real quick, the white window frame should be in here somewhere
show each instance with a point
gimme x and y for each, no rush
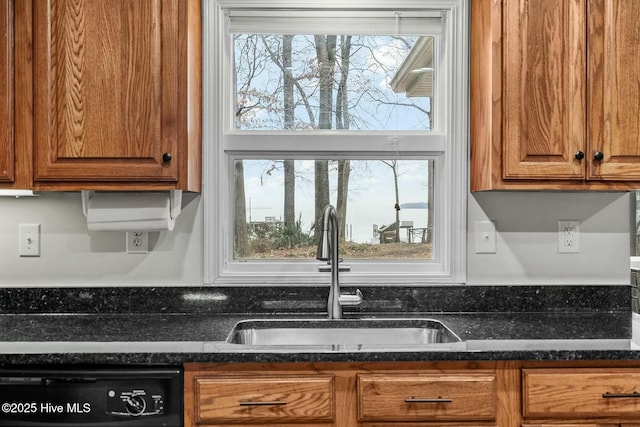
(221, 145)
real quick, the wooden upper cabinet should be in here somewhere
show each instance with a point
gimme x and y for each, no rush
(554, 94)
(116, 94)
(613, 122)
(7, 134)
(544, 88)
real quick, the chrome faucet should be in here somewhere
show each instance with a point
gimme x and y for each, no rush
(328, 251)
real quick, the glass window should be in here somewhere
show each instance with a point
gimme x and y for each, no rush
(341, 82)
(383, 208)
(363, 109)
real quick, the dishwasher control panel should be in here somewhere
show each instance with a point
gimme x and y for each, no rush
(134, 402)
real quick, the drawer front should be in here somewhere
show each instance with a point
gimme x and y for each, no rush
(426, 397)
(265, 399)
(581, 392)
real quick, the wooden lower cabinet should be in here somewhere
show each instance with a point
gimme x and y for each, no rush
(341, 394)
(432, 396)
(581, 393)
(571, 425)
(599, 396)
(254, 398)
(414, 394)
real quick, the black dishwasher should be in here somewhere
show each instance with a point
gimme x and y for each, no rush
(91, 397)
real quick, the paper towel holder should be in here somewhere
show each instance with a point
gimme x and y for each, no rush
(174, 206)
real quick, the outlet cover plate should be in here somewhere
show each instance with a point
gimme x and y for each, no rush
(485, 237)
(137, 242)
(568, 236)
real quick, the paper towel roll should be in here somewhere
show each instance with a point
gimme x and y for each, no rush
(131, 211)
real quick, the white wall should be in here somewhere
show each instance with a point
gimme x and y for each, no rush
(526, 243)
(71, 255)
(527, 238)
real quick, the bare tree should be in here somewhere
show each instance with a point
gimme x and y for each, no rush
(393, 164)
(289, 106)
(343, 122)
(326, 56)
(430, 207)
(241, 233)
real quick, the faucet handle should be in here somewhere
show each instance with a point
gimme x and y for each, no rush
(351, 299)
(326, 268)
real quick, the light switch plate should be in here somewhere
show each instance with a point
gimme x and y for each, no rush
(485, 237)
(29, 240)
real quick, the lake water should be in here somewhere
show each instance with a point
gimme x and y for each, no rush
(362, 220)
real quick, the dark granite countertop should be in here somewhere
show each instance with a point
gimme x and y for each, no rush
(181, 325)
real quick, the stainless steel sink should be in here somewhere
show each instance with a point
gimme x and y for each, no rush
(360, 332)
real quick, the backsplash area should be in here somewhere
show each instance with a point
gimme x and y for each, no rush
(313, 300)
(526, 227)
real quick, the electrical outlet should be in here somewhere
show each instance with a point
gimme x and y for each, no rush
(137, 242)
(568, 237)
(29, 240)
(485, 237)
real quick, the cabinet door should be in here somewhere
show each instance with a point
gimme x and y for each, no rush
(573, 425)
(575, 393)
(106, 90)
(614, 89)
(264, 399)
(7, 140)
(421, 397)
(544, 89)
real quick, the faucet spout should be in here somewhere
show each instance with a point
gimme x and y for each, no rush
(328, 251)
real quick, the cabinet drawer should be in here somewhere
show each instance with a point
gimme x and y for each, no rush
(581, 392)
(426, 397)
(264, 399)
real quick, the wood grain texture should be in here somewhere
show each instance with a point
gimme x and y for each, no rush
(578, 393)
(544, 90)
(614, 88)
(265, 399)
(550, 78)
(486, 94)
(470, 397)
(574, 425)
(115, 89)
(7, 132)
(344, 376)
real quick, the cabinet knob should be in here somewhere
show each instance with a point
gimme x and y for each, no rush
(166, 157)
(579, 155)
(598, 155)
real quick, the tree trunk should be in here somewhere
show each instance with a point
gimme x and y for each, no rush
(326, 53)
(344, 168)
(393, 164)
(343, 122)
(430, 207)
(241, 232)
(397, 206)
(289, 165)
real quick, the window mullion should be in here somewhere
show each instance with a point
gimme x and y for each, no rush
(283, 142)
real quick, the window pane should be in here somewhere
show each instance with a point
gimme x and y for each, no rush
(387, 212)
(310, 82)
(635, 245)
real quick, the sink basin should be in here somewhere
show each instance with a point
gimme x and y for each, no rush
(365, 332)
